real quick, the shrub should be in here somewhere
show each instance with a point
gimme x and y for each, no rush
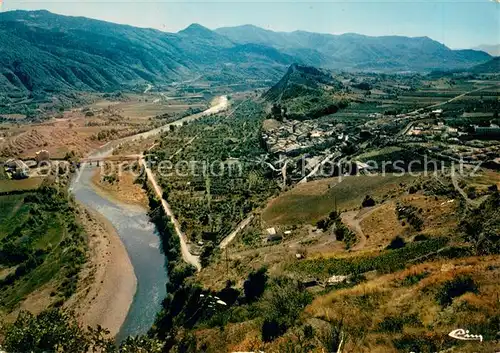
(396, 243)
(455, 288)
(410, 213)
(410, 280)
(396, 323)
(421, 237)
(206, 254)
(368, 201)
(282, 305)
(271, 329)
(255, 285)
(414, 343)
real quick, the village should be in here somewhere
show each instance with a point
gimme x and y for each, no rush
(292, 137)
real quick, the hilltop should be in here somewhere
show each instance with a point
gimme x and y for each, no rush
(493, 49)
(306, 91)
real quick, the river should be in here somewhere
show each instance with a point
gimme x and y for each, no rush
(138, 234)
(142, 242)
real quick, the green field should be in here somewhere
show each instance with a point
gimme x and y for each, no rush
(7, 185)
(210, 198)
(308, 203)
(40, 242)
(378, 152)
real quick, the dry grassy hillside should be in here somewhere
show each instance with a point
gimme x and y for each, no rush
(409, 279)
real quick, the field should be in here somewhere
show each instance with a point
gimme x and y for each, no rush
(22, 185)
(308, 203)
(140, 107)
(215, 181)
(83, 129)
(40, 242)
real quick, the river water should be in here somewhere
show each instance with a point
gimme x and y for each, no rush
(138, 234)
(142, 243)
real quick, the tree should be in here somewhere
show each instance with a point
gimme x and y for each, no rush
(282, 306)
(56, 331)
(255, 285)
(206, 254)
(277, 112)
(52, 331)
(396, 243)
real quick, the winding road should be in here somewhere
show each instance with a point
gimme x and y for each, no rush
(454, 180)
(222, 104)
(353, 220)
(225, 242)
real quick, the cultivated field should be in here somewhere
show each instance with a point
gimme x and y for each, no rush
(308, 203)
(84, 129)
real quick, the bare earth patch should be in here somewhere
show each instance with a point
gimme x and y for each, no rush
(124, 189)
(107, 284)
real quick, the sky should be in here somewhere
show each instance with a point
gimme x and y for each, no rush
(458, 24)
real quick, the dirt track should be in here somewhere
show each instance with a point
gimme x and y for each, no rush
(186, 254)
(353, 220)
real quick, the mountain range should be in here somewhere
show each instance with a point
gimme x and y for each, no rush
(42, 51)
(355, 51)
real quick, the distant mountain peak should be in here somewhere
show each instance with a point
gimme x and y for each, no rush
(196, 29)
(492, 49)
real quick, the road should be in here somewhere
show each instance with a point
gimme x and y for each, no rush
(222, 104)
(225, 242)
(105, 150)
(148, 88)
(457, 187)
(353, 220)
(186, 254)
(319, 165)
(452, 99)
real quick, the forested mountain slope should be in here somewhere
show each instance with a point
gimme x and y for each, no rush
(355, 51)
(44, 51)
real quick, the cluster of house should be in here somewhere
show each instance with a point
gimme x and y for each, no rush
(433, 129)
(292, 136)
(19, 169)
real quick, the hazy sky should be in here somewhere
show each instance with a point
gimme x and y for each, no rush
(458, 24)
